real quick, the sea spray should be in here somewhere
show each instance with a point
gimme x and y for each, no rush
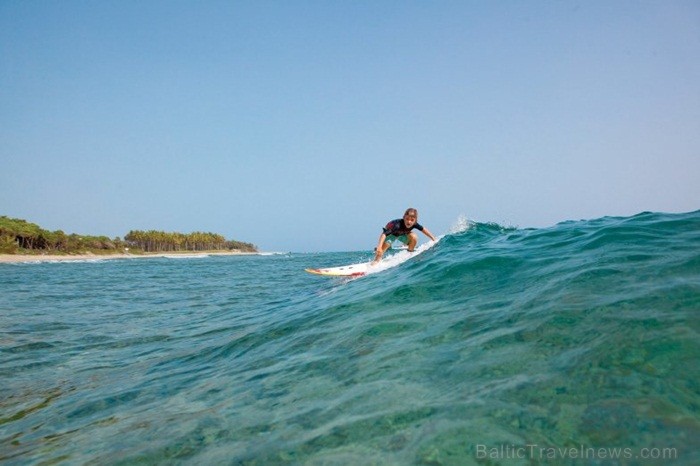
(461, 225)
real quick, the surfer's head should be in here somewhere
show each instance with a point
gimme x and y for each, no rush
(410, 216)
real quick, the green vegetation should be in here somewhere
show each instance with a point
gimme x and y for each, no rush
(160, 241)
(22, 237)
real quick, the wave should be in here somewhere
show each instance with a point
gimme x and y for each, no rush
(581, 334)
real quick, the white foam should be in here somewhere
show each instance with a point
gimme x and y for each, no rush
(461, 225)
(389, 262)
(184, 256)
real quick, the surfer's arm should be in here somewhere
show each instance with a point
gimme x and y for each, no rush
(427, 233)
(379, 251)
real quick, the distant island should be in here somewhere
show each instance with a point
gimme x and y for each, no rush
(21, 237)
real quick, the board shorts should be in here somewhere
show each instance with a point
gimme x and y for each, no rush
(391, 238)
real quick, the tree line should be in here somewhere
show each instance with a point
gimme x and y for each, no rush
(161, 241)
(18, 236)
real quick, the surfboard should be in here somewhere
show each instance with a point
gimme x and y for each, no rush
(352, 270)
(366, 268)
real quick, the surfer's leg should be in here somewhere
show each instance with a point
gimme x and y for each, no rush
(386, 246)
(412, 241)
(387, 243)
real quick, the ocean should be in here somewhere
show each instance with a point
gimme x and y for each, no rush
(573, 344)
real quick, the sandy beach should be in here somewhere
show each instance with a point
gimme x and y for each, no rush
(19, 258)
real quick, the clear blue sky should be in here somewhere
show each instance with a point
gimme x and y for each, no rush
(307, 125)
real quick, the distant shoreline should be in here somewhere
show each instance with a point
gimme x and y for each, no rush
(20, 258)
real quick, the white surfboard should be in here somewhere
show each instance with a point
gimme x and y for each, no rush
(365, 268)
(352, 270)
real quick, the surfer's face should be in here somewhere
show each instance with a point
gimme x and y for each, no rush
(409, 220)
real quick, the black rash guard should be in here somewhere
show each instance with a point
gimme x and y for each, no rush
(398, 228)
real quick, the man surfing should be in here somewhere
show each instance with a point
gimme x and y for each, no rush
(400, 229)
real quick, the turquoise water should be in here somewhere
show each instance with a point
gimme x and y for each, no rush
(495, 346)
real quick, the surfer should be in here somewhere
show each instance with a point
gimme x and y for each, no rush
(400, 229)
